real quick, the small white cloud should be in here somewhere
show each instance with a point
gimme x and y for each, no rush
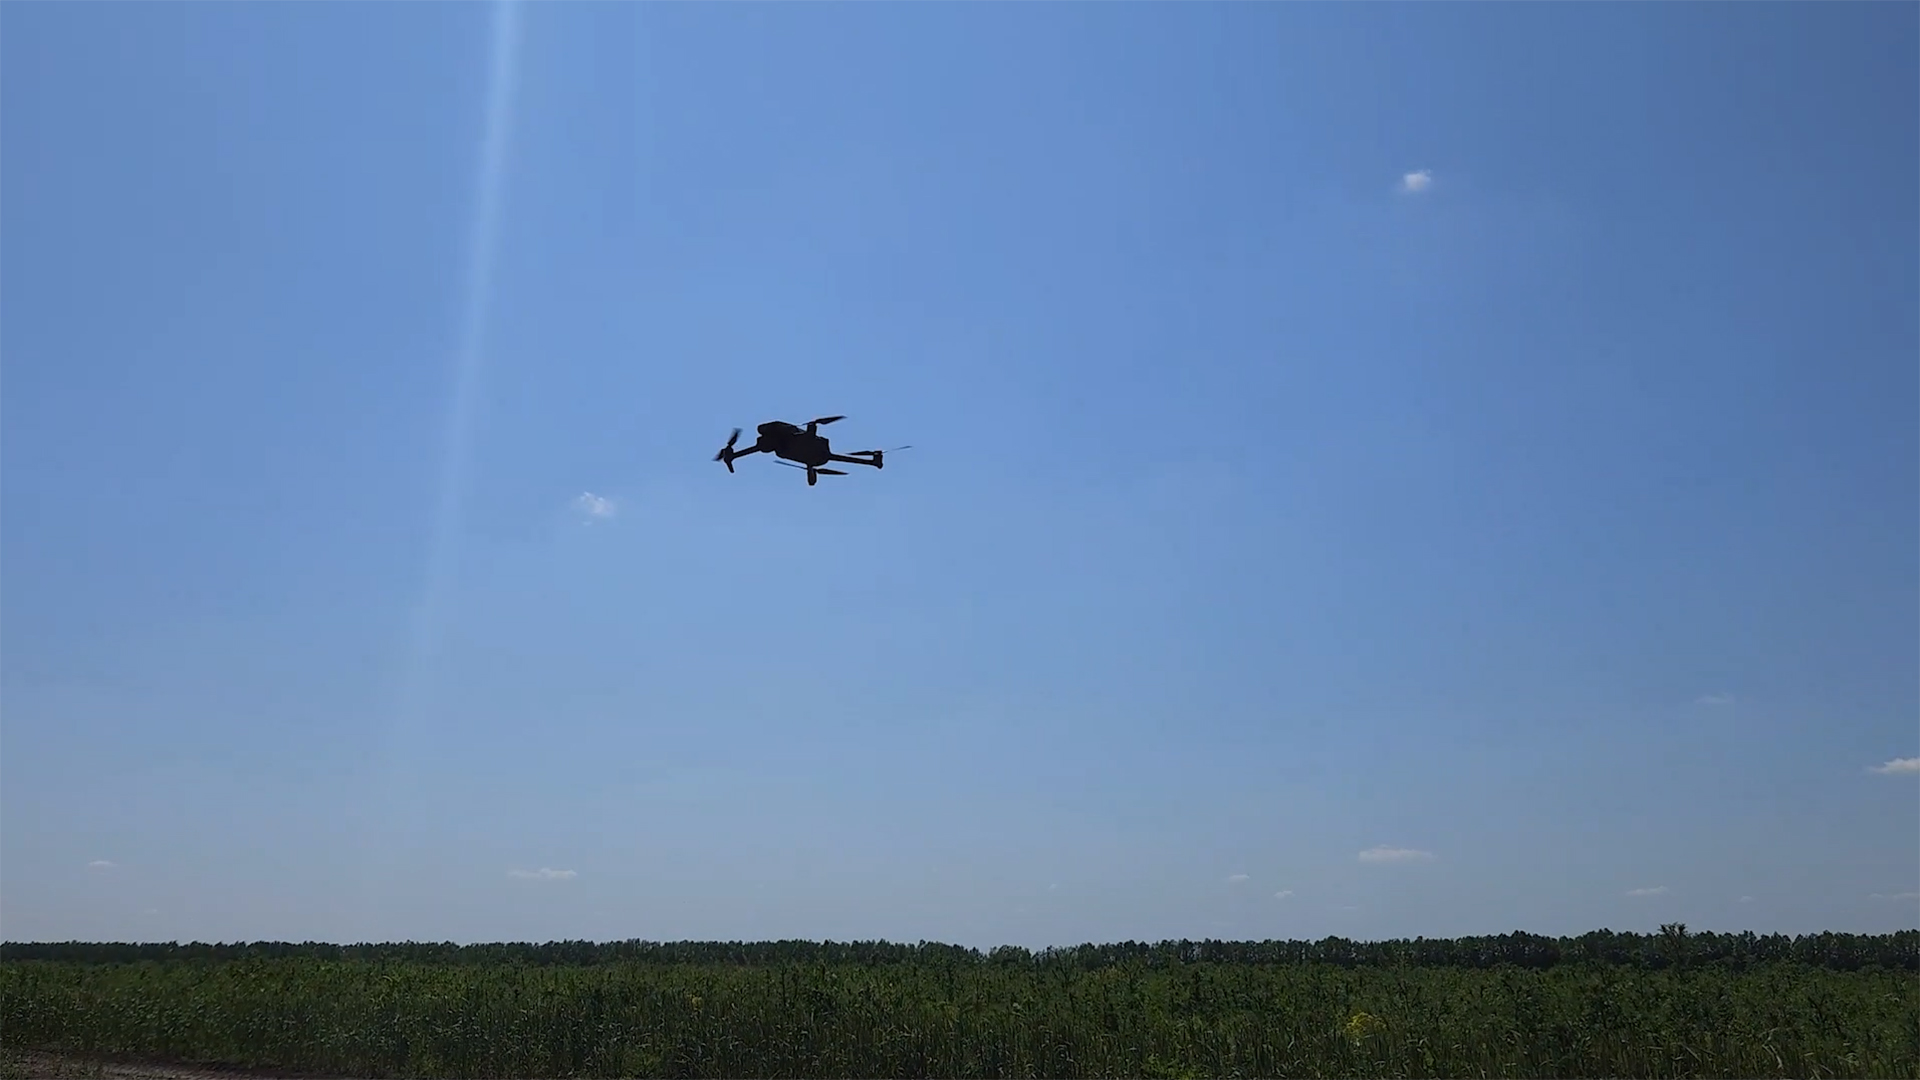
(1898, 767)
(1714, 699)
(101, 864)
(1745, 900)
(1235, 879)
(594, 507)
(1055, 887)
(1283, 894)
(1415, 182)
(1383, 853)
(1657, 890)
(544, 874)
(1895, 896)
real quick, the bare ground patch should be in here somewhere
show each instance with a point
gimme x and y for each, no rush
(43, 1065)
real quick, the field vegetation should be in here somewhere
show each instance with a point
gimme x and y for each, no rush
(1672, 1004)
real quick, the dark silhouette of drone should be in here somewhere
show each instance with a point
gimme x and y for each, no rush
(801, 448)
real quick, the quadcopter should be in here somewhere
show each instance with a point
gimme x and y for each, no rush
(800, 448)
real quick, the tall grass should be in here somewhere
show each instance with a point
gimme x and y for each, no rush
(395, 1019)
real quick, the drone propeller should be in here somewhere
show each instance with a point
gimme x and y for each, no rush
(825, 420)
(829, 472)
(814, 471)
(880, 456)
(726, 452)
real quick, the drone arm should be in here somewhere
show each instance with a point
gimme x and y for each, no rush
(852, 460)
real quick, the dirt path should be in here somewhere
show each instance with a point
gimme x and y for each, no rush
(36, 1065)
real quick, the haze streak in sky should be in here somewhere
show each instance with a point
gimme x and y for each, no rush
(415, 691)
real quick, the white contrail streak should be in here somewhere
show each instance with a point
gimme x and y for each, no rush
(455, 448)
(503, 75)
(414, 693)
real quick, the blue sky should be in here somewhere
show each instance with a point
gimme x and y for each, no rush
(1288, 547)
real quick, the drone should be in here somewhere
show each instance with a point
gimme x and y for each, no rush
(801, 448)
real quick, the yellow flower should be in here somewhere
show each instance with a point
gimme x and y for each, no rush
(1363, 1024)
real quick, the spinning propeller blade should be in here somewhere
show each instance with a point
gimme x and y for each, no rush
(829, 472)
(880, 456)
(825, 420)
(726, 452)
(813, 472)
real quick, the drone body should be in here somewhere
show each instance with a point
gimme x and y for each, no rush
(803, 448)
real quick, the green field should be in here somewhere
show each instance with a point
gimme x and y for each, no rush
(1611, 1005)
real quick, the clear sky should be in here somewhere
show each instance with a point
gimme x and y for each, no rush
(1377, 470)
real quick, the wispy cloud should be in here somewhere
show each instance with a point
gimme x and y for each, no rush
(1898, 766)
(1744, 900)
(544, 874)
(1714, 699)
(1283, 894)
(1383, 853)
(1657, 890)
(1235, 879)
(1895, 896)
(594, 508)
(1416, 182)
(101, 864)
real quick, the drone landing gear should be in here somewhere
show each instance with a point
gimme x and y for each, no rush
(813, 471)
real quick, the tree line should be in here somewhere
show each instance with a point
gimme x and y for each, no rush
(1672, 946)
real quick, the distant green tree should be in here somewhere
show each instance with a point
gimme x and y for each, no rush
(1674, 944)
